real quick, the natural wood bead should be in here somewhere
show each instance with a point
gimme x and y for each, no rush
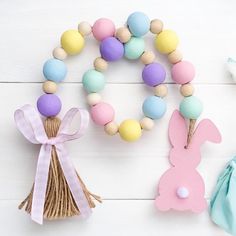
(49, 86)
(147, 58)
(187, 90)
(93, 99)
(100, 64)
(111, 128)
(147, 123)
(175, 56)
(84, 28)
(156, 26)
(59, 53)
(161, 90)
(123, 34)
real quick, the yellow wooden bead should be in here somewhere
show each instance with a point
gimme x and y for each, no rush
(147, 123)
(59, 53)
(123, 34)
(161, 90)
(175, 56)
(111, 128)
(147, 58)
(84, 28)
(187, 90)
(166, 42)
(130, 130)
(72, 42)
(49, 86)
(100, 64)
(156, 26)
(93, 99)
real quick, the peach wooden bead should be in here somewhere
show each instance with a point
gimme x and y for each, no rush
(59, 53)
(156, 26)
(93, 99)
(123, 34)
(146, 123)
(175, 56)
(147, 58)
(161, 90)
(100, 64)
(187, 90)
(49, 86)
(111, 128)
(84, 28)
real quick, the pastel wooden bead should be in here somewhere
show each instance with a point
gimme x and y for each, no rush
(175, 56)
(100, 64)
(72, 42)
(147, 123)
(49, 86)
(166, 42)
(59, 53)
(134, 48)
(156, 26)
(103, 28)
(186, 90)
(148, 58)
(102, 113)
(183, 72)
(111, 128)
(93, 98)
(161, 90)
(84, 28)
(123, 34)
(130, 130)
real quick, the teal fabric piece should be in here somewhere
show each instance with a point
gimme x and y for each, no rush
(223, 200)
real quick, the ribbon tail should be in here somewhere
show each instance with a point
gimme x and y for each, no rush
(40, 185)
(73, 182)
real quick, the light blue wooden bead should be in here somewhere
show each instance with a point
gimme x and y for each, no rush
(191, 107)
(93, 81)
(138, 23)
(134, 48)
(54, 70)
(154, 107)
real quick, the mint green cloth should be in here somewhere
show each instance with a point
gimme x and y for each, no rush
(223, 200)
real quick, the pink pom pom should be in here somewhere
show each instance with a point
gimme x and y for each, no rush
(102, 113)
(183, 72)
(103, 28)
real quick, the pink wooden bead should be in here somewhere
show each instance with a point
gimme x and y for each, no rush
(102, 113)
(183, 72)
(103, 28)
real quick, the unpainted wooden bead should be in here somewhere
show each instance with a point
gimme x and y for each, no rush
(175, 56)
(161, 90)
(156, 26)
(147, 123)
(84, 28)
(147, 58)
(123, 34)
(187, 90)
(49, 86)
(93, 99)
(100, 64)
(59, 53)
(111, 128)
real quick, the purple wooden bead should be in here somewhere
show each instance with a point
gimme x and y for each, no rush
(49, 105)
(111, 49)
(153, 74)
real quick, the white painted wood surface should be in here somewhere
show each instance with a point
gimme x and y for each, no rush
(125, 175)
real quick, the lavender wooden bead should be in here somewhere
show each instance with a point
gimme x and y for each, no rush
(49, 105)
(153, 74)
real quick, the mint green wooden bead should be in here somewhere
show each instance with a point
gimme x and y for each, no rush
(93, 81)
(191, 107)
(134, 48)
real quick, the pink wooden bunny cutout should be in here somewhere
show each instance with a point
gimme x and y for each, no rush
(181, 187)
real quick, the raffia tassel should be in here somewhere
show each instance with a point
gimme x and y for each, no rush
(192, 123)
(59, 202)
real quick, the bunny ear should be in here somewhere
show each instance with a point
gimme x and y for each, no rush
(177, 130)
(205, 131)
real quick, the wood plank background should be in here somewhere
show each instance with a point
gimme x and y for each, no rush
(125, 175)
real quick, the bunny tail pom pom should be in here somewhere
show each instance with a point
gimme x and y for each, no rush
(231, 66)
